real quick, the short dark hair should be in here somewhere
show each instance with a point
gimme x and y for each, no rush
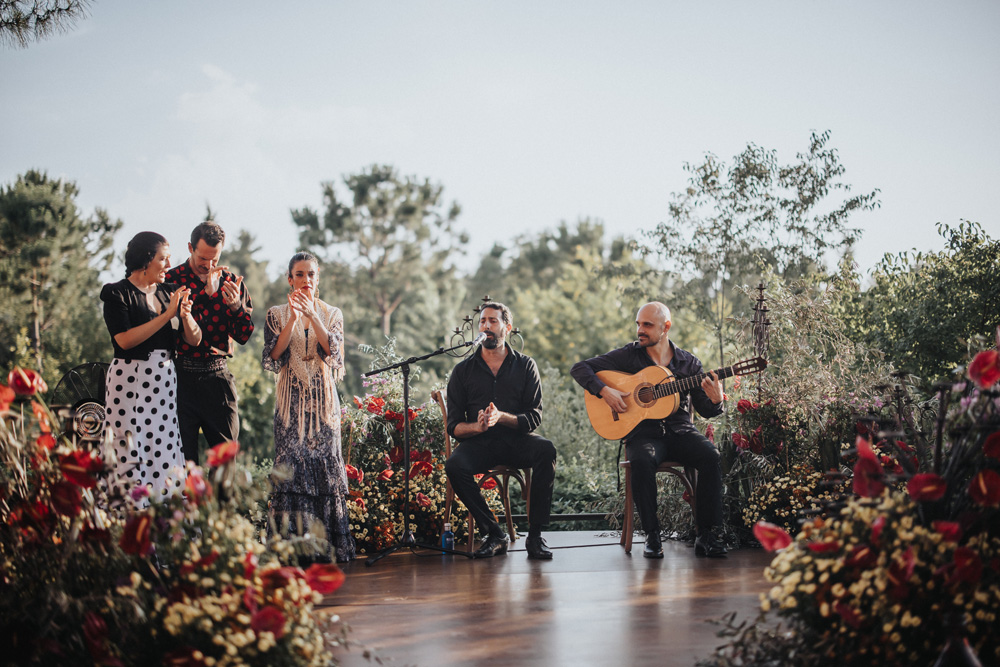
(301, 257)
(141, 250)
(505, 315)
(209, 232)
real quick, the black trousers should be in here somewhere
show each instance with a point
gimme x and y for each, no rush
(477, 455)
(690, 450)
(206, 401)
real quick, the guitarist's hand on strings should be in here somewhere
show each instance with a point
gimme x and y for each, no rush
(615, 399)
(713, 388)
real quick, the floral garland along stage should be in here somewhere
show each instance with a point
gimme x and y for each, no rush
(183, 582)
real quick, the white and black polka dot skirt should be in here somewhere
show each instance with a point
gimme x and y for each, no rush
(142, 415)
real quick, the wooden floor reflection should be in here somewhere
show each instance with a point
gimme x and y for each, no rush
(590, 605)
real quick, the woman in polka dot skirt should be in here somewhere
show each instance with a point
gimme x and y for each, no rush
(144, 316)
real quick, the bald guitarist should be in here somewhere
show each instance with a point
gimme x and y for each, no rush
(673, 438)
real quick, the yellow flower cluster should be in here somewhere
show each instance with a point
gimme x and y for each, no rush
(878, 585)
(781, 500)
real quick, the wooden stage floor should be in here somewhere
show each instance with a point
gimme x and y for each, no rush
(590, 605)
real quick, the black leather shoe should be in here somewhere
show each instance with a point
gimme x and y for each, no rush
(492, 546)
(537, 549)
(711, 543)
(653, 548)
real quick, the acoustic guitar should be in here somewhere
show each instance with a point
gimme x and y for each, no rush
(653, 394)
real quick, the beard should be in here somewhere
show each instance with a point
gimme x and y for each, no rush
(492, 342)
(647, 341)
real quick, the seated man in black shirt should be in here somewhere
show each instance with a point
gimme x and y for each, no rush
(494, 404)
(671, 439)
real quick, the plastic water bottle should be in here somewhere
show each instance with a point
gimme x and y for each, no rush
(447, 538)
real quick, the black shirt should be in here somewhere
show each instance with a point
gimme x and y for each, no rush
(516, 389)
(633, 358)
(125, 307)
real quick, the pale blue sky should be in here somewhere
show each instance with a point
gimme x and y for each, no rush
(529, 113)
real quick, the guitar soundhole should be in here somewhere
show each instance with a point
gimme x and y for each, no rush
(644, 395)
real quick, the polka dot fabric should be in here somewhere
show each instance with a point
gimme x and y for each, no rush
(142, 401)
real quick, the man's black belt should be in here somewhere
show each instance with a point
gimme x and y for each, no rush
(208, 365)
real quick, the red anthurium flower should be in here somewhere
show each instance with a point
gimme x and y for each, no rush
(850, 616)
(770, 536)
(360, 502)
(710, 433)
(354, 473)
(950, 530)
(861, 428)
(490, 483)
(223, 453)
(396, 454)
(66, 498)
(279, 577)
(424, 455)
(868, 477)
(186, 656)
(423, 500)
(195, 486)
(744, 406)
(136, 535)
(46, 441)
(42, 415)
(926, 486)
(357, 402)
(324, 578)
(968, 567)
(862, 556)
(420, 468)
(7, 397)
(757, 441)
(985, 488)
(249, 564)
(386, 474)
(984, 369)
(26, 382)
(901, 568)
(991, 448)
(741, 441)
(81, 467)
(250, 599)
(864, 447)
(823, 547)
(877, 526)
(269, 619)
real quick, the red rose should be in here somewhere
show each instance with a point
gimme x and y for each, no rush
(324, 578)
(770, 536)
(26, 382)
(985, 488)
(926, 486)
(223, 453)
(984, 369)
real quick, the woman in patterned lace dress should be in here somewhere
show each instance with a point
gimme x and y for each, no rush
(303, 344)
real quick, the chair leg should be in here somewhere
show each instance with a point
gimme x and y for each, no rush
(472, 535)
(505, 489)
(627, 525)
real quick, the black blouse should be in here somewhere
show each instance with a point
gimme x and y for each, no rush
(125, 307)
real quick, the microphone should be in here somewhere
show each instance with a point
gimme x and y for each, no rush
(479, 339)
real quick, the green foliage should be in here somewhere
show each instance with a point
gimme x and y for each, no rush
(50, 264)
(255, 389)
(732, 221)
(925, 308)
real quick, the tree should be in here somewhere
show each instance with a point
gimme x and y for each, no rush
(926, 309)
(50, 264)
(387, 257)
(731, 221)
(23, 21)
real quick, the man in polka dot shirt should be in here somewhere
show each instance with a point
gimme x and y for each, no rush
(205, 390)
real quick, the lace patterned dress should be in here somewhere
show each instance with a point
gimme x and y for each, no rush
(313, 496)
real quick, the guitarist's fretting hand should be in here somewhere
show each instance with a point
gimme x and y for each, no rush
(713, 387)
(615, 399)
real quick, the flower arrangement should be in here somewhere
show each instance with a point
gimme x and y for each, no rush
(784, 500)
(918, 544)
(373, 429)
(105, 581)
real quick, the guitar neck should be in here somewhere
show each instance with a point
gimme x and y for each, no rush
(690, 382)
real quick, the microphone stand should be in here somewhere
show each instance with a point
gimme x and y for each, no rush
(408, 541)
